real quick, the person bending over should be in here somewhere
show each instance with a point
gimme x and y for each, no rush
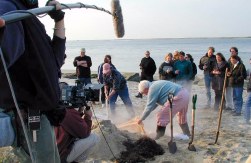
(117, 83)
(157, 94)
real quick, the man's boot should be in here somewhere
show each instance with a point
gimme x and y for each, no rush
(160, 132)
(139, 95)
(185, 129)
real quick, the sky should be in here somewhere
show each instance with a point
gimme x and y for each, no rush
(158, 19)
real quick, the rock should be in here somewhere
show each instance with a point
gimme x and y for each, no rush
(69, 75)
(134, 77)
(74, 76)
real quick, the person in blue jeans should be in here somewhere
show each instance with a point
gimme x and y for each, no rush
(236, 76)
(114, 80)
(206, 64)
(248, 102)
(83, 65)
(107, 59)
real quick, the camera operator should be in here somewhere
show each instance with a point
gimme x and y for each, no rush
(74, 138)
(33, 62)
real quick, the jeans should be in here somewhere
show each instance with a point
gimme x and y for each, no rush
(85, 81)
(208, 81)
(229, 97)
(124, 95)
(237, 99)
(45, 149)
(248, 107)
(103, 94)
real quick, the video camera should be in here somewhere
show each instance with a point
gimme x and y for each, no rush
(79, 94)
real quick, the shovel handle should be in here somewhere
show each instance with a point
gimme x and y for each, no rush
(194, 101)
(170, 99)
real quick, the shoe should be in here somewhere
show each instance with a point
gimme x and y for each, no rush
(185, 129)
(103, 106)
(139, 95)
(236, 114)
(228, 109)
(160, 132)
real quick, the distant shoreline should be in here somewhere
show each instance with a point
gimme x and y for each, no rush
(129, 76)
(230, 37)
(70, 71)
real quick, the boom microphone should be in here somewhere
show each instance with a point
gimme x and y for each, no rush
(117, 18)
(116, 13)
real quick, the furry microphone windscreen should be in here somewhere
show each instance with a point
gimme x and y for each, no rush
(117, 18)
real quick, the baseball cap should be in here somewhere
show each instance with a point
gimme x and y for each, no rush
(82, 50)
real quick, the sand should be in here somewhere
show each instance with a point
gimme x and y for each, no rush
(234, 142)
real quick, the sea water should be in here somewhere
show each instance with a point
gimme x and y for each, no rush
(127, 53)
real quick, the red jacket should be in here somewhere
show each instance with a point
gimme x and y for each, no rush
(73, 126)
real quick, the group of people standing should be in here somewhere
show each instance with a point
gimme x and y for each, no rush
(177, 72)
(214, 67)
(33, 62)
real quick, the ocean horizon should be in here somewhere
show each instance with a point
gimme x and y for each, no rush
(127, 53)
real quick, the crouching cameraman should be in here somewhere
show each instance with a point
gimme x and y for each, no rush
(74, 138)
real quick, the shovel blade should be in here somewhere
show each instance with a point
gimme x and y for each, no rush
(172, 147)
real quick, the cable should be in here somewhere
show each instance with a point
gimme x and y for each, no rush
(19, 11)
(102, 132)
(16, 104)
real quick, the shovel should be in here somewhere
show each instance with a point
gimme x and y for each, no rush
(107, 108)
(221, 108)
(191, 147)
(171, 145)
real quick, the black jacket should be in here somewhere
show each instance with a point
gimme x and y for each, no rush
(148, 66)
(208, 61)
(83, 72)
(218, 79)
(34, 74)
(249, 83)
(238, 74)
(163, 75)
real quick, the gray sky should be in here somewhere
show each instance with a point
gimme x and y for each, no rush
(159, 19)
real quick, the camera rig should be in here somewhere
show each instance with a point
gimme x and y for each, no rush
(79, 95)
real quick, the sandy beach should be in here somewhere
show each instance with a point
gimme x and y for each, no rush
(234, 142)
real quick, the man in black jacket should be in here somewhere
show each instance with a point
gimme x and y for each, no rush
(148, 68)
(206, 64)
(83, 65)
(229, 90)
(236, 77)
